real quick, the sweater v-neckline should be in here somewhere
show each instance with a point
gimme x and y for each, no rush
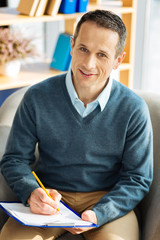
(82, 120)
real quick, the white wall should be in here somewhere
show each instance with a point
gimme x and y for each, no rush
(142, 32)
(152, 78)
(52, 30)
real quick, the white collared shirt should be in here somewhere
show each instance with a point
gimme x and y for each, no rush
(102, 99)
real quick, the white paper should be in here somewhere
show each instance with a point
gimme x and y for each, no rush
(66, 217)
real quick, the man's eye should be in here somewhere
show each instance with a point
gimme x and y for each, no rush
(101, 55)
(83, 49)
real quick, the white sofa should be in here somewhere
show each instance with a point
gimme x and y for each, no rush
(149, 208)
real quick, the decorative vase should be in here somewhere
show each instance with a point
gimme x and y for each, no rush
(10, 69)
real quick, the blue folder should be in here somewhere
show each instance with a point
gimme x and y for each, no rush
(82, 5)
(61, 56)
(68, 6)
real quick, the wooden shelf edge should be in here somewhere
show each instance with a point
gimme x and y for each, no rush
(10, 16)
(125, 66)
(30, 73)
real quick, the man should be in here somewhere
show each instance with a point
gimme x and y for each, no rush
(94, 138)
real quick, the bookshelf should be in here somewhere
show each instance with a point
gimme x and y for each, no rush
(38, 71)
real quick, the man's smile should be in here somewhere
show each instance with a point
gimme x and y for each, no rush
(86, 74)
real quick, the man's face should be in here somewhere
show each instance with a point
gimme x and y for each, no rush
(93, 56)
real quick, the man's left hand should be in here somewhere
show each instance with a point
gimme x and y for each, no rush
(87, 215)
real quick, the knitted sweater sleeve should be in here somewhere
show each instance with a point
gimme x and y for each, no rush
(19, 155)
(136, 171)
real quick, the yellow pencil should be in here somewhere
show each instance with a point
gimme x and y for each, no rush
(42, 186)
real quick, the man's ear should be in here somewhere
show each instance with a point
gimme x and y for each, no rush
(72, 45)
(119, 60)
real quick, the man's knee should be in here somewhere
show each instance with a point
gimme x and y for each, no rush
(124, 228)
(13, 230)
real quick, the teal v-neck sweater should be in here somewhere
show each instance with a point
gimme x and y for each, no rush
(109, 150)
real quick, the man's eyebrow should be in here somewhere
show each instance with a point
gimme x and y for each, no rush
(82, 45)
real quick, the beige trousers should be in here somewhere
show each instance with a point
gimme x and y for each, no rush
(124, 228)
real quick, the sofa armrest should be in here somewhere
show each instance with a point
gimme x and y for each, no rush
(4, 132)
(151, 216)
(150, 206)
(10, 105)
(6, 193)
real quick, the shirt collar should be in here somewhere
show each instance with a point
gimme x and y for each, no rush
(102, 98)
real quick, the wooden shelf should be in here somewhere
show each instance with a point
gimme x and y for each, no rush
(30, 74)
(10, 16)
(125, 66)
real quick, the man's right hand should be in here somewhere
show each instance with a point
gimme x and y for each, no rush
(40, 203)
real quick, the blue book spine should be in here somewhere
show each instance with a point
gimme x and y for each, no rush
(68, 6)
(61, 56)
(82, 5)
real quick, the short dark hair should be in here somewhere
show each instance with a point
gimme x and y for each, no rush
(108, 20)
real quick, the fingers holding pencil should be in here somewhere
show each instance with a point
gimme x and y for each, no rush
(40, 203)
(55, 195)
(43, 201)
(53, 200)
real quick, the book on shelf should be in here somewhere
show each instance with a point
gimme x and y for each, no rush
(82, 5)
(66, 218)
(61, 56)
(53, 7)
(28, 7)
(68, 6)
(41, 8)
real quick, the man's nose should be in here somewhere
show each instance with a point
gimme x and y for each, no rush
(90, 61)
